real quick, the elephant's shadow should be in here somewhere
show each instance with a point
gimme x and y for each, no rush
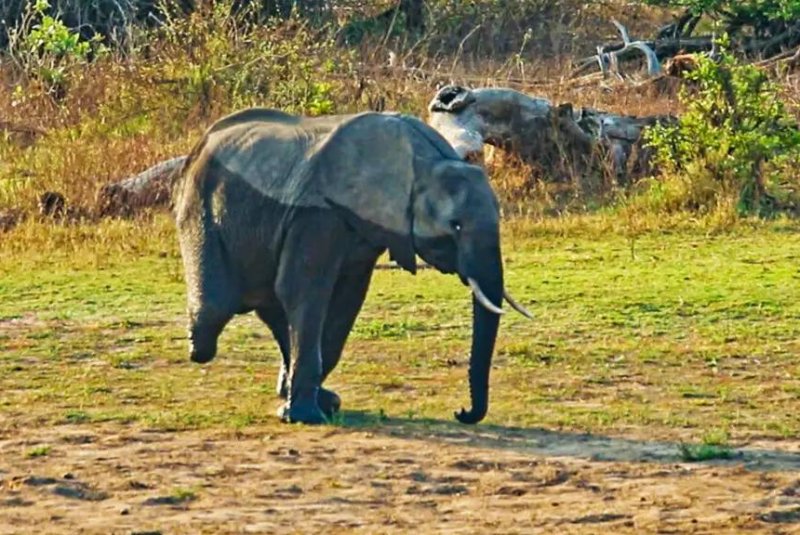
(546, 443)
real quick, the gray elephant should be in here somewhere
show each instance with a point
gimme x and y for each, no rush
(287, 216)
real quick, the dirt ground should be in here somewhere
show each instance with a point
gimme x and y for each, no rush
(122, 479)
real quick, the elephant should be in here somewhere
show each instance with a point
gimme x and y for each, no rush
(287, 215)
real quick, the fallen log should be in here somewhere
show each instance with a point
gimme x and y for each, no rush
(562, 141)
(150, 188)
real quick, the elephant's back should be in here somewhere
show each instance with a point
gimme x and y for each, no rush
(271, 158)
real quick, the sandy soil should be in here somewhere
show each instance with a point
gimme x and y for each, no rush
(118, 479)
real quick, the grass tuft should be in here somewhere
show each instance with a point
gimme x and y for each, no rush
(182, 494)
(704, 452)
(38, 451)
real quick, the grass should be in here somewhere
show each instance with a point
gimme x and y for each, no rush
(38, 451)
(184, 495)
(695, 331)
(704, 452)
(714, 445)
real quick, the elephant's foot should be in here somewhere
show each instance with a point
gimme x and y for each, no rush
(306, 412)
(329, 402)
(205, 327)
(202, 348)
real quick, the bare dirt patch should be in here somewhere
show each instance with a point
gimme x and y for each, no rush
(21, 323)
(388, 479)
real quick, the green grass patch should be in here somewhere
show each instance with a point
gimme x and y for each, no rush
(184, 494)
(38, 451)
(704, 452)
(696, 331)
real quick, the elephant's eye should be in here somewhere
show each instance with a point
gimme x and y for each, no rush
(456, 226)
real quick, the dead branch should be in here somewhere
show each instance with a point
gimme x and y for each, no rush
(20, 133)
(147, 189)
(608, 58)
(675, 39)
(20, 128)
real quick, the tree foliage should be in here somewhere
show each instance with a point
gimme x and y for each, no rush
(739, 9)
(763, 17)
(735, 137)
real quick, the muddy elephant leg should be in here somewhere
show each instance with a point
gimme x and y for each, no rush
(212, 299)
(275, 318)
(348, 296)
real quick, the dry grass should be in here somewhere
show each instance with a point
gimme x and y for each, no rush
(123, 113)
(120, 115)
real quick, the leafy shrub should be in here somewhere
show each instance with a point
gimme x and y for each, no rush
(222, 61)
(47, 50)
(118, 115)
(735, 138)
(743, 10)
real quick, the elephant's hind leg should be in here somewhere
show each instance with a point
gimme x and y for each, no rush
(348, 296)
(275, 318)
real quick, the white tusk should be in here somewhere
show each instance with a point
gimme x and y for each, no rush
(516, 306)
(481, 297)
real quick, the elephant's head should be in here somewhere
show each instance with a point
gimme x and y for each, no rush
(413, 194)
(456, 230)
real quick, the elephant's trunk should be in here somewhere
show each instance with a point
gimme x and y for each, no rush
(482, 264)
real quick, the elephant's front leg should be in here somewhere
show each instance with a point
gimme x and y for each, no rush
(305, 376)
(305, 285)
(275, 319)
(348, 296)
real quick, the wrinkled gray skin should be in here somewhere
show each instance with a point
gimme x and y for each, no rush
(287, 216)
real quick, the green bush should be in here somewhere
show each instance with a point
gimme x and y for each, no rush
(743, 10)
(47, 50)
(223, 62)
(735, 138)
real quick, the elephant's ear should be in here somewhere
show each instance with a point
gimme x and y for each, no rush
(366, 171)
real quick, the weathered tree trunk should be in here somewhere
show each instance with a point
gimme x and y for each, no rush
(561, 141)
(149, 188)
